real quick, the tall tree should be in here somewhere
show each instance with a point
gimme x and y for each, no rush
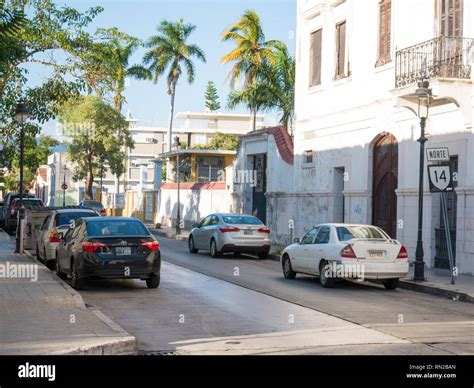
(212, 98)
(251, 50)
(169, 53)
(279, 79)
(95, 129)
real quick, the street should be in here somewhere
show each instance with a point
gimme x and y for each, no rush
(242, 305)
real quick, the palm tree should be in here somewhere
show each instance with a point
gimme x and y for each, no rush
(250, 52)
(117, 50)
(280, 80)
(169, 52)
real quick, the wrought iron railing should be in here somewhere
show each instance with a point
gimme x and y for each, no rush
(447, 57)
(441, 246)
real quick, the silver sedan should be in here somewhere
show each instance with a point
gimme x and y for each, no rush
(230, 233)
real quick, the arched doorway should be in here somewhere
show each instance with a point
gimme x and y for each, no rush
(385, 182)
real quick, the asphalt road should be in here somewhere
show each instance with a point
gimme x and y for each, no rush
(241, 305)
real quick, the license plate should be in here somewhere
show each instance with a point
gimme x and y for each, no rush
(376, 255)
(248, 232)
(123, 251)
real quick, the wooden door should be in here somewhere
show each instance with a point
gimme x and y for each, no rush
(385, 182)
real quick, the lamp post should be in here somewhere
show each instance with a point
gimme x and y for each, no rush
(178, 215)
(64, 186)
(424, 95)
(101, 164)
(21, 116)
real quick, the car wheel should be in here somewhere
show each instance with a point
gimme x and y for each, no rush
(76, 282)
(60, 274)
(324, 277)
(191, 247)
(213, 249)
(263, 255)
(153, 281)
(288, 272)
(390, 284)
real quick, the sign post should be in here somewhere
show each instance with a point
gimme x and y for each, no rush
(441, 181)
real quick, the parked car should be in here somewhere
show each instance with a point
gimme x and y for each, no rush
(345, 245)
(6, 206)
(16, 204)
(112, 248)
(92, 204)
(58, 221)
(236, 233)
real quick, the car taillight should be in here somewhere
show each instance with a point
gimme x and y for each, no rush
(229, 229)
(93, 246)
(264, 230)
(103, 211)
(403, 254)
(348, 253)
(151, 245)
(53, 238)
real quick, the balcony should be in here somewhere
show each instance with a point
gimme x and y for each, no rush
(441, 57)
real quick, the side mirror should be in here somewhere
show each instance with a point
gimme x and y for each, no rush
(195, 226)
(296, 240)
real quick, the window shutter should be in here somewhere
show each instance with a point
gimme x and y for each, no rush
(450, 17)
(315, 70)
(385, 35)
(340, 49)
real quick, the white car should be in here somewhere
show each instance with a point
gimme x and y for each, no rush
(348, 251)
(58, 221)
(225, 233)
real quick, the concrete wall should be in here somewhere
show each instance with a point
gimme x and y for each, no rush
(194, 205)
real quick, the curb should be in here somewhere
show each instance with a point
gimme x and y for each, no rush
(124, 345)
(436, 291)
(113, 347)
(174, 236)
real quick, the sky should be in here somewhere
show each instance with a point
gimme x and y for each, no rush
(149, 102)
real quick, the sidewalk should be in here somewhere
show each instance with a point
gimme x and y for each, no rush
(438, 281)
(46, 316)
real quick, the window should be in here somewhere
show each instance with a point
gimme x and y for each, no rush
(323, 235)
(450, 17)
(346, 233)
(210, 169)
(309, 237)
(385, 22)
(340, 50)
(308, 156)
(116, 228)
(205, 221)
(315, 57)
(242, 220)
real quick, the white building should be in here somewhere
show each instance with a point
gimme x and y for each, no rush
(193, 128)
(356, 149)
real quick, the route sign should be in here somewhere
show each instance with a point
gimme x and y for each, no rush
(440, 176)
(64, 186)
(437, 154)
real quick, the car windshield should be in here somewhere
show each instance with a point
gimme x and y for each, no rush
(249, 220)
(93, 205)
(345, 233)
(66, 218)
(116, 228)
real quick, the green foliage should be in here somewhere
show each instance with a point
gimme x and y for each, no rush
(212, 98)
(221, 141)
(250, 54)
(43, 29)
(95, 129)
(36, 153)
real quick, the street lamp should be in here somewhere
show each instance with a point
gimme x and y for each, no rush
(21, 116)
(178, 215)
(424, 95)
(101, 164)
(64, 186)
